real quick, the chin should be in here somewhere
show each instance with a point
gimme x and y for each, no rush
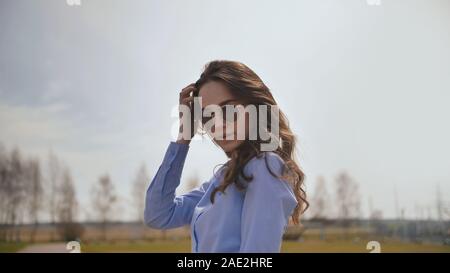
(228, 146)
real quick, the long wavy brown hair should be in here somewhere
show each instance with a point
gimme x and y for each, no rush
(248, 87)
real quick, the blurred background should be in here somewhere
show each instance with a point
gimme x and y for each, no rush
(88, 89)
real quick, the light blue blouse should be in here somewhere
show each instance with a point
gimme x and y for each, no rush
(252, 220)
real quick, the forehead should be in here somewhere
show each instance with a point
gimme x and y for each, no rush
(214, 92)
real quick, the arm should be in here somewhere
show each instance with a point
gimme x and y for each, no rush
(164, 210)
(268, 203)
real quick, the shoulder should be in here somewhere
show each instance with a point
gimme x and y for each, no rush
(267, 170)
(267, 184)
(266, 162)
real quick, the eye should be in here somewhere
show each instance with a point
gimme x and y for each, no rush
(234, 113)
(206, 119)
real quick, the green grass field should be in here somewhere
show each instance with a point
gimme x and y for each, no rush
(11, 247)
(317, 246)
(306, 246)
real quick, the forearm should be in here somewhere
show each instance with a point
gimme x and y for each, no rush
(159, 201)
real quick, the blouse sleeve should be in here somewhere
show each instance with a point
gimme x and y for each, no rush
(164, 210)
(268, 203)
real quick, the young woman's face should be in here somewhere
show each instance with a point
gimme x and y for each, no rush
(216, 93)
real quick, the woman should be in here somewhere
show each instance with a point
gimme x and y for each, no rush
(246, 205)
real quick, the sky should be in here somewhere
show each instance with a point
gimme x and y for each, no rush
(366, 88)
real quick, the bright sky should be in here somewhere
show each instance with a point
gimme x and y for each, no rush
(366, 88)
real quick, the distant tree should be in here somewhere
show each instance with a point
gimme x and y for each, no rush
(192, 183)
(104, 199)
(446, 211)
(20, 191)
(348, 200)
(440, 206)
(54, 179)
(67, 208)
(4, 198)
(319, 201)
(376, 222)
(34, 192)
(16, 193)
(138, 191)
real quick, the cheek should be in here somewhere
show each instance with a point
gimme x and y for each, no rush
(247, 123)
(245, 126)
(230, 145)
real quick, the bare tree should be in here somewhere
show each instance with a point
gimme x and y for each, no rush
(19, 192)
(53, 181)
(440, 206)
(138, 191)
(34, 192)
(4, 172)
(16, 193)
(192, 183)
(319, 201)
(446, 211)
(67, 208)
(348, 200)
(103, 201)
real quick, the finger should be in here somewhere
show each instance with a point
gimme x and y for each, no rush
(186, 91)
(186, 94)
(186, 100)
(189, 86)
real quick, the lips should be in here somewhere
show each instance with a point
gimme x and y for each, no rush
(229, 137)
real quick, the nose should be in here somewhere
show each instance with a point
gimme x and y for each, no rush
(221, 130)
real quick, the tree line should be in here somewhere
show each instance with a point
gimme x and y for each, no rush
(34, 192)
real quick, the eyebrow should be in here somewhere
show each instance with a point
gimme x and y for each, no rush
(222, 103)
